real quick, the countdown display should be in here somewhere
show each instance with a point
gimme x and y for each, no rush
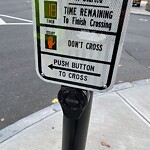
(50, 8)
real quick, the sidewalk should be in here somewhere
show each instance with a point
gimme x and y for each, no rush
(140, 10)
(120, 120)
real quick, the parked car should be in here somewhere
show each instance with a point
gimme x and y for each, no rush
(136, 3)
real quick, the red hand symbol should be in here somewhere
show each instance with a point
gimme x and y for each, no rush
(50, 42)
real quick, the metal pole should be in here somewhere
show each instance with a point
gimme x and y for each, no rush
(75, 127)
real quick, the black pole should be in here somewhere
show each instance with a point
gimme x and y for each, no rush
(75, 121)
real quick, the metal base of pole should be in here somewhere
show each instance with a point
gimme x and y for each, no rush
(75, 130)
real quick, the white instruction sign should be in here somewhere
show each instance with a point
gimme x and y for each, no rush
(78, 43)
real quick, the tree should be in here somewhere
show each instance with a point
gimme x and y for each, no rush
(148, 6)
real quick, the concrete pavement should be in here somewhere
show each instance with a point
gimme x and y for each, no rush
(120, 120)
(140, 10)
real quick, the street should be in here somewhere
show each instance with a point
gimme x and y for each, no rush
(134, 63)
(22, 92)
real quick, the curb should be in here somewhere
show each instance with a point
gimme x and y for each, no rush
(36, 117)
(24, 123)
(139, 13)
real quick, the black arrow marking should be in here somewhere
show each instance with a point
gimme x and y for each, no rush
(72, 70)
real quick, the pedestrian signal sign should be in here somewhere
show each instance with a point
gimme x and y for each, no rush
(78, 43)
